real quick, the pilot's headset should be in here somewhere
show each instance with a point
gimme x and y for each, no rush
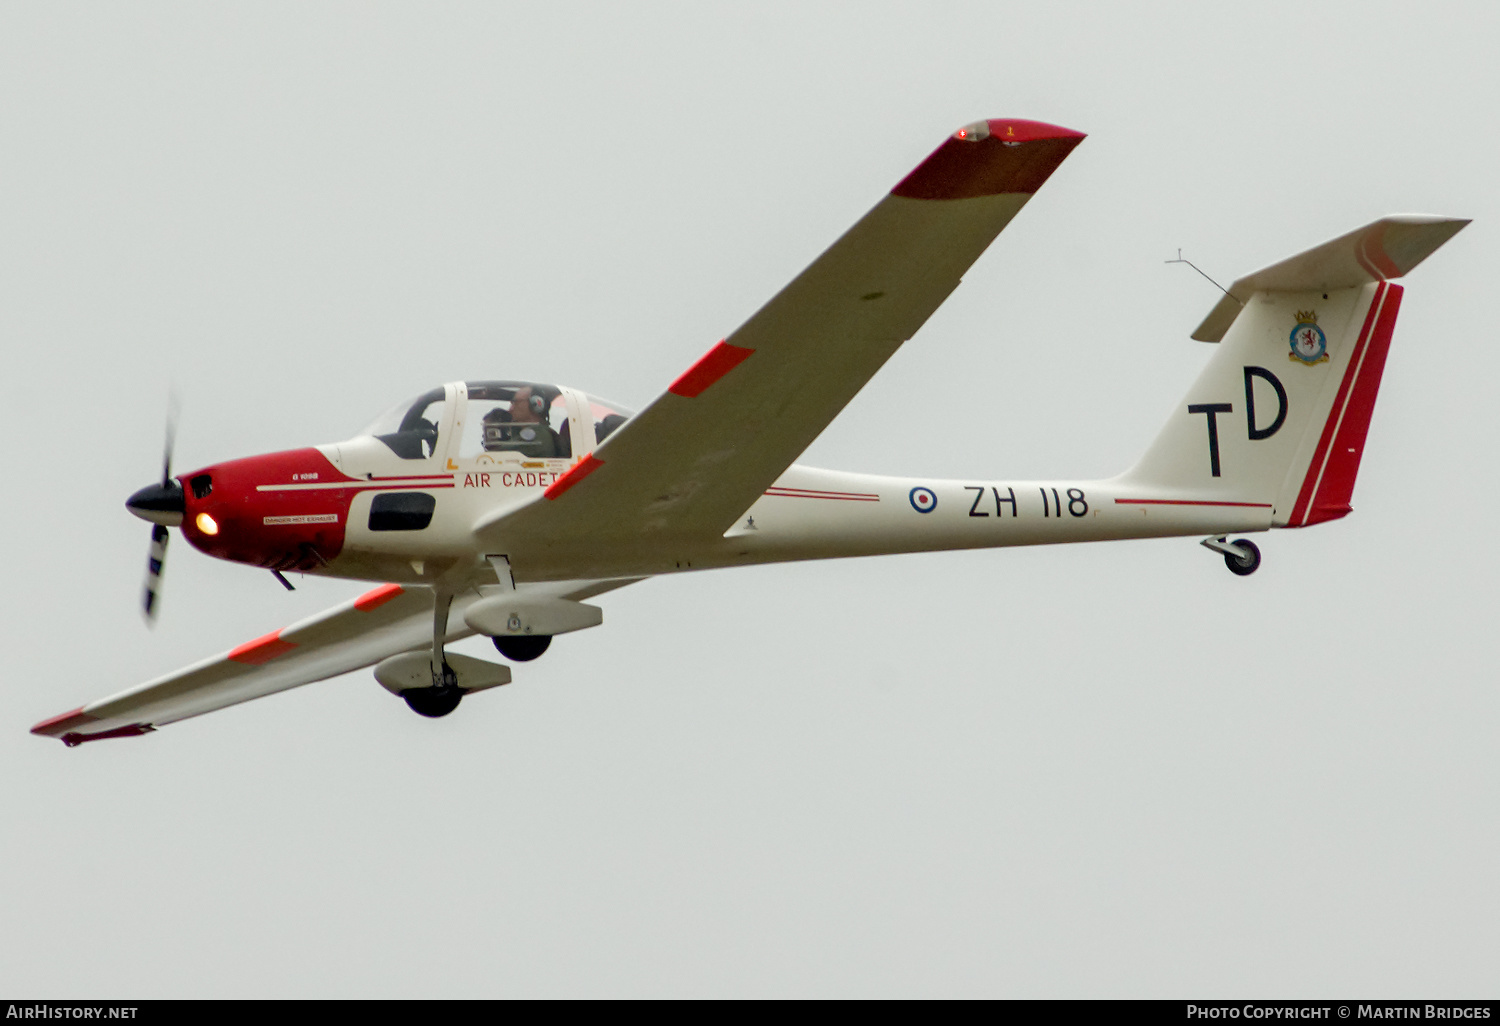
(537, 404)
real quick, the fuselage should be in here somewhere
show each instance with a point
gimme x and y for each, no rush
(373, 509)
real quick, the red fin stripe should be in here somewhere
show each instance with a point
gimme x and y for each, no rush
(1190, 502)
(261, 650)
(581, 470)
(1335, 486)
(377, 597)
(715, 363)
(1303, 505)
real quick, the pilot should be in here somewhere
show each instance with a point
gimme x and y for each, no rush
(521, 430)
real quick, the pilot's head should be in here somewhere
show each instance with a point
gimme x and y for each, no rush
(526, 408)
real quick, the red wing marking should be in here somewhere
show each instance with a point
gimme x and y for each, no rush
(261, 650)
(808, 493)
(59, 725)
(1190, 502)
(1016, 157)
(1329, 484)
(715, 363)
(579, 471)
(377, 597)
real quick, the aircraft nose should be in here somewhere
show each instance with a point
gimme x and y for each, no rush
(159, 503)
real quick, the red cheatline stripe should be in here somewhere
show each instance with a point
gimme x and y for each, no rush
(397, 487)
(716, 363)
(407, 477)
(803, 493)
(353, 487)
(579, 471)
(261, 650)
(1189, 502)
(1303, 504)
(60, 724)
(377, 597)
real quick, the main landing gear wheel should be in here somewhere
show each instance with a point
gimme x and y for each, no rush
(1243, 565)
(433, 702)
(521, 648)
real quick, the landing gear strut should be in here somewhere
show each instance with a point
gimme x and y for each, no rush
(521, 648)
(445, 694)
(1242, 555)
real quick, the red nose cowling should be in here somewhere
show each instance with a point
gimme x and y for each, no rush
(283, 510)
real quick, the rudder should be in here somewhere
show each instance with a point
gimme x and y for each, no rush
(1280, 414)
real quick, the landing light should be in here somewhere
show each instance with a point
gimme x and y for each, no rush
(207, 524)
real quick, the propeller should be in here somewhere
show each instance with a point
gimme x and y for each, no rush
(163, 505)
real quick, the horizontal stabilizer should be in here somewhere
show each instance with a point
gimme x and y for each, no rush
(1385, 249)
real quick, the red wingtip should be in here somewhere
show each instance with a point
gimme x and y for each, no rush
(57, 726)
(987, 158)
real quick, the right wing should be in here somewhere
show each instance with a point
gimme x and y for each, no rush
(361, 632)
(703, 452)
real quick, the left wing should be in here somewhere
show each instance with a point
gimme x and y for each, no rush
(699, 455)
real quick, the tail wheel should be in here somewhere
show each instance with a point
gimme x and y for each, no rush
(521, 648)
(433, 702)
(1243, 565)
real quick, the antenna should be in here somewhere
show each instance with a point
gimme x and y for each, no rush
(1183, 260)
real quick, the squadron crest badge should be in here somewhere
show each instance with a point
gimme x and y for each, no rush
(1309, 344)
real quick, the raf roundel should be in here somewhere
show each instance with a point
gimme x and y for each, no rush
(922, 500)
(1309, 344)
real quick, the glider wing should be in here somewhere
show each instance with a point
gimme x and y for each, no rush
(707, 448)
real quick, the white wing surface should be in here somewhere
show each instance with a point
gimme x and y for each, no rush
(699, 455)
(358, 633)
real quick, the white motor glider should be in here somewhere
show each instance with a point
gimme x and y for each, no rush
(501, 507)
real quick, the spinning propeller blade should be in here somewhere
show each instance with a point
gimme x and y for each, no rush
(163, 505)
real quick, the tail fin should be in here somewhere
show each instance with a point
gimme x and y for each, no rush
(1280, 413)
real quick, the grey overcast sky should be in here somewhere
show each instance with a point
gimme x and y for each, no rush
(1104, 770)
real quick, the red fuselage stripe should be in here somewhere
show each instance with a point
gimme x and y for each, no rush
(1190, 502)
(407, 477)
(802, 493)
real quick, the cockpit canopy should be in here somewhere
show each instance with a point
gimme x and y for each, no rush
(526, 418)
